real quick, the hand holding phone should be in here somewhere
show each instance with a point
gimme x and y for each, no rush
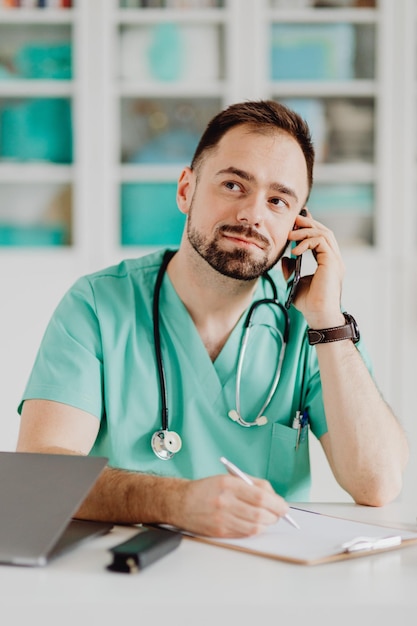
(297, 274)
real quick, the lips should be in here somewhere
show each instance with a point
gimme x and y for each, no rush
(245, 235)
(245, 241)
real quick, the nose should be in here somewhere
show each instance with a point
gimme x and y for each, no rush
(252, 211)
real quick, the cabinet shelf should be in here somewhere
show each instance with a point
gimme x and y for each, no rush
(38, 16)
(20, 88)
(173, 89)
(137, 17)
(160, 173)
(343, 88)
(359, 172)
(35, 172)
(324, 16)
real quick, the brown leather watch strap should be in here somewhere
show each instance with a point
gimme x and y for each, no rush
(349, 330)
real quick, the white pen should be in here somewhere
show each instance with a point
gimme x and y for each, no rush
(233, 469)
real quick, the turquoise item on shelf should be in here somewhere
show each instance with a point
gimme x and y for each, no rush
(149, 215)
(32, 235)
(37, 130)
(47, 61)
(343, 198)
(312, 51)
(165, 54)
(173, 146)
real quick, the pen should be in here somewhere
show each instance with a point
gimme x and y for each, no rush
(233, 469)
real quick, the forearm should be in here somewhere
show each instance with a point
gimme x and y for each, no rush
(367, 448)
(124, 497)
(217, 506)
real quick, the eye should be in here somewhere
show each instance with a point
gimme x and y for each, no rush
(278, 203)
(229, 184)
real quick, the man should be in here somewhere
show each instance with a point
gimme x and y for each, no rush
(98, 384)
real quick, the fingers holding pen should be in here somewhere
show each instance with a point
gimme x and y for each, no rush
(254, 507)
(226, 506)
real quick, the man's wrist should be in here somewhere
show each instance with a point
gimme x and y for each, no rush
(326, 320)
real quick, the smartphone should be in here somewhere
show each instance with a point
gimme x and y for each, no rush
(297, 275)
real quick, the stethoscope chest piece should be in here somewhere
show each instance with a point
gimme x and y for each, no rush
(166, 443)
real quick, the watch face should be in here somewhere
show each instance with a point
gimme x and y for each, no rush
(356, 334)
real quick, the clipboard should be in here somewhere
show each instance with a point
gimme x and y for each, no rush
(321, 539)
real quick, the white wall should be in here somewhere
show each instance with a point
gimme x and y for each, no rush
(27, 304)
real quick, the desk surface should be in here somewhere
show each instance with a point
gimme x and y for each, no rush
(202, 585)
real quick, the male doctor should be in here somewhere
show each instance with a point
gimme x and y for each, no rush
(95, 387)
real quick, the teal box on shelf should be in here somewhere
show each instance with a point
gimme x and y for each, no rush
(32, 235)
(150, 216)
(37, 130)
(312, 51)
(45, 61)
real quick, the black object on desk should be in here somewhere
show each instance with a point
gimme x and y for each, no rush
(143, 549)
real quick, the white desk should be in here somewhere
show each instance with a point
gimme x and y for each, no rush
(198, 584)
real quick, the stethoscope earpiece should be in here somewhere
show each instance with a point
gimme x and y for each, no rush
(261, 420)
(234, 415)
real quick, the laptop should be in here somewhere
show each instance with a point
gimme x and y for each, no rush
(39, 494)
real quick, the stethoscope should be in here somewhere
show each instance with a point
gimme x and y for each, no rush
(165, 443)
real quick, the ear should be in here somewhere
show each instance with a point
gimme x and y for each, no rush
(185, 189)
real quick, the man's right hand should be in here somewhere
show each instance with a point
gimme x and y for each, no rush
(226, 506)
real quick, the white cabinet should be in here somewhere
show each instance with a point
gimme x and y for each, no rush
(143, 84)
(146, 80)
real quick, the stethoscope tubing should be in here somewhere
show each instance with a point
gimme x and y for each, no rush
(157, 339)
(284, 340)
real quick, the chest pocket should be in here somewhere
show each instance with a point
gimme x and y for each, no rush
(288, 468)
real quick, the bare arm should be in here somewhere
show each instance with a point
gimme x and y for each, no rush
(365, 444)
(222, 506)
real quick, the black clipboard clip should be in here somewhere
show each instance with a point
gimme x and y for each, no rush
(147, 546)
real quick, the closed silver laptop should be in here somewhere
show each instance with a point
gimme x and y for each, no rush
(39, 494)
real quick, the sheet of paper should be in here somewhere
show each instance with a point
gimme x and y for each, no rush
(320, 537)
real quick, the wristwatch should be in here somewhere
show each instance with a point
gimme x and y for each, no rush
(349, 330)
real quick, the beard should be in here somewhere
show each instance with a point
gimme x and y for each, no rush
(239, 263)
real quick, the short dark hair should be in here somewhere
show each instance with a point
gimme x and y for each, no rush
(262, 116)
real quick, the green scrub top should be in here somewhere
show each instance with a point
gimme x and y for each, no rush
(98, 355)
